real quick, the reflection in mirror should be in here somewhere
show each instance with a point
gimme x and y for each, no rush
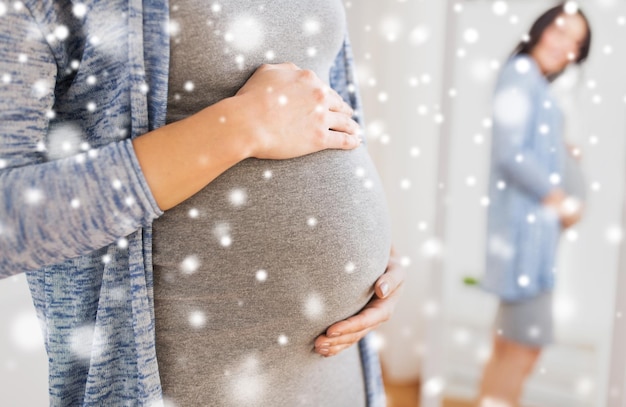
(532, 244)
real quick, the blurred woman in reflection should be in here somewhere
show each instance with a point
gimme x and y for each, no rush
(536, 191)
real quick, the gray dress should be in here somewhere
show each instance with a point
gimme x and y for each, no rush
(250, 270)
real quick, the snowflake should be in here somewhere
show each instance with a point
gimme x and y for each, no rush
(419, 35)
(534, 331)
(470, 35)
(432, 248)
(311, 26)
(500, 247)
(283, 340)
(122, 243)
(190, 264)
(522, 65)
(523, 280)
(247, 387)
(584, 386)
(614, 234)
(79, 10)
(434, 386)
(26, 332)
(238, 197)
(33, 196)
(511, 107)
(83, 340)
(261, 275)
(390, 28)
(197, 319)
(313, 306)
(499, 8)
(61, 32)
(571, 7)
(350, 267)
(555, 179)
(41, 88)
(377, 341)
(245, 33)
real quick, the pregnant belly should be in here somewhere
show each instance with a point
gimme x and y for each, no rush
(268, 256)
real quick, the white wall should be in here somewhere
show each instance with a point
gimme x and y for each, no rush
(398, 51)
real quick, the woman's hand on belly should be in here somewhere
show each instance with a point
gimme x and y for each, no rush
(346, 333)
(291, 112)
(281, 112)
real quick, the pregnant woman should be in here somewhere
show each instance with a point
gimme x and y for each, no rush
(536, 191)
(275, 225)
(271, 253)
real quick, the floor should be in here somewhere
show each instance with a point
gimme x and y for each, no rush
(407, 395)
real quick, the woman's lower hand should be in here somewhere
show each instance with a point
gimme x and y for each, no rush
(288, 112)
(346, 333)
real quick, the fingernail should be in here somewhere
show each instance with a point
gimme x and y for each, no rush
(324, 351)
(325, 345)
(384, 288)
(334, 335)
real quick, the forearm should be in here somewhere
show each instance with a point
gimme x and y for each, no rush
(60, 209)
(527, 175)
(181, 158)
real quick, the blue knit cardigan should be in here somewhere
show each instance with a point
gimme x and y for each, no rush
(528, 160)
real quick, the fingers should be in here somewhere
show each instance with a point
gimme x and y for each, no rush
(286, 65)
(337, 104)
(391, 280)
(341, 122)
(341, 140)
(326, 347)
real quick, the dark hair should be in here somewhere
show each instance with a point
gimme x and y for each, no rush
(542, 23)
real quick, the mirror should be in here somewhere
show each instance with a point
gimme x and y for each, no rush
(574, 370)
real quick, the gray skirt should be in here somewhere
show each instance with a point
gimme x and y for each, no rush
(529, 322)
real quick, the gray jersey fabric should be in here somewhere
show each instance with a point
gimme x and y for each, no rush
(528, 322)
(249, 271)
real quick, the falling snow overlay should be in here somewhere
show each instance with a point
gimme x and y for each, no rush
(399, 49)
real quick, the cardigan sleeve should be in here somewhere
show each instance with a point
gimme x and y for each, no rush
(54, 210)
(343, 81)
(514, 107)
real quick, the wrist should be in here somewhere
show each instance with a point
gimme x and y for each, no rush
(238, 124)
